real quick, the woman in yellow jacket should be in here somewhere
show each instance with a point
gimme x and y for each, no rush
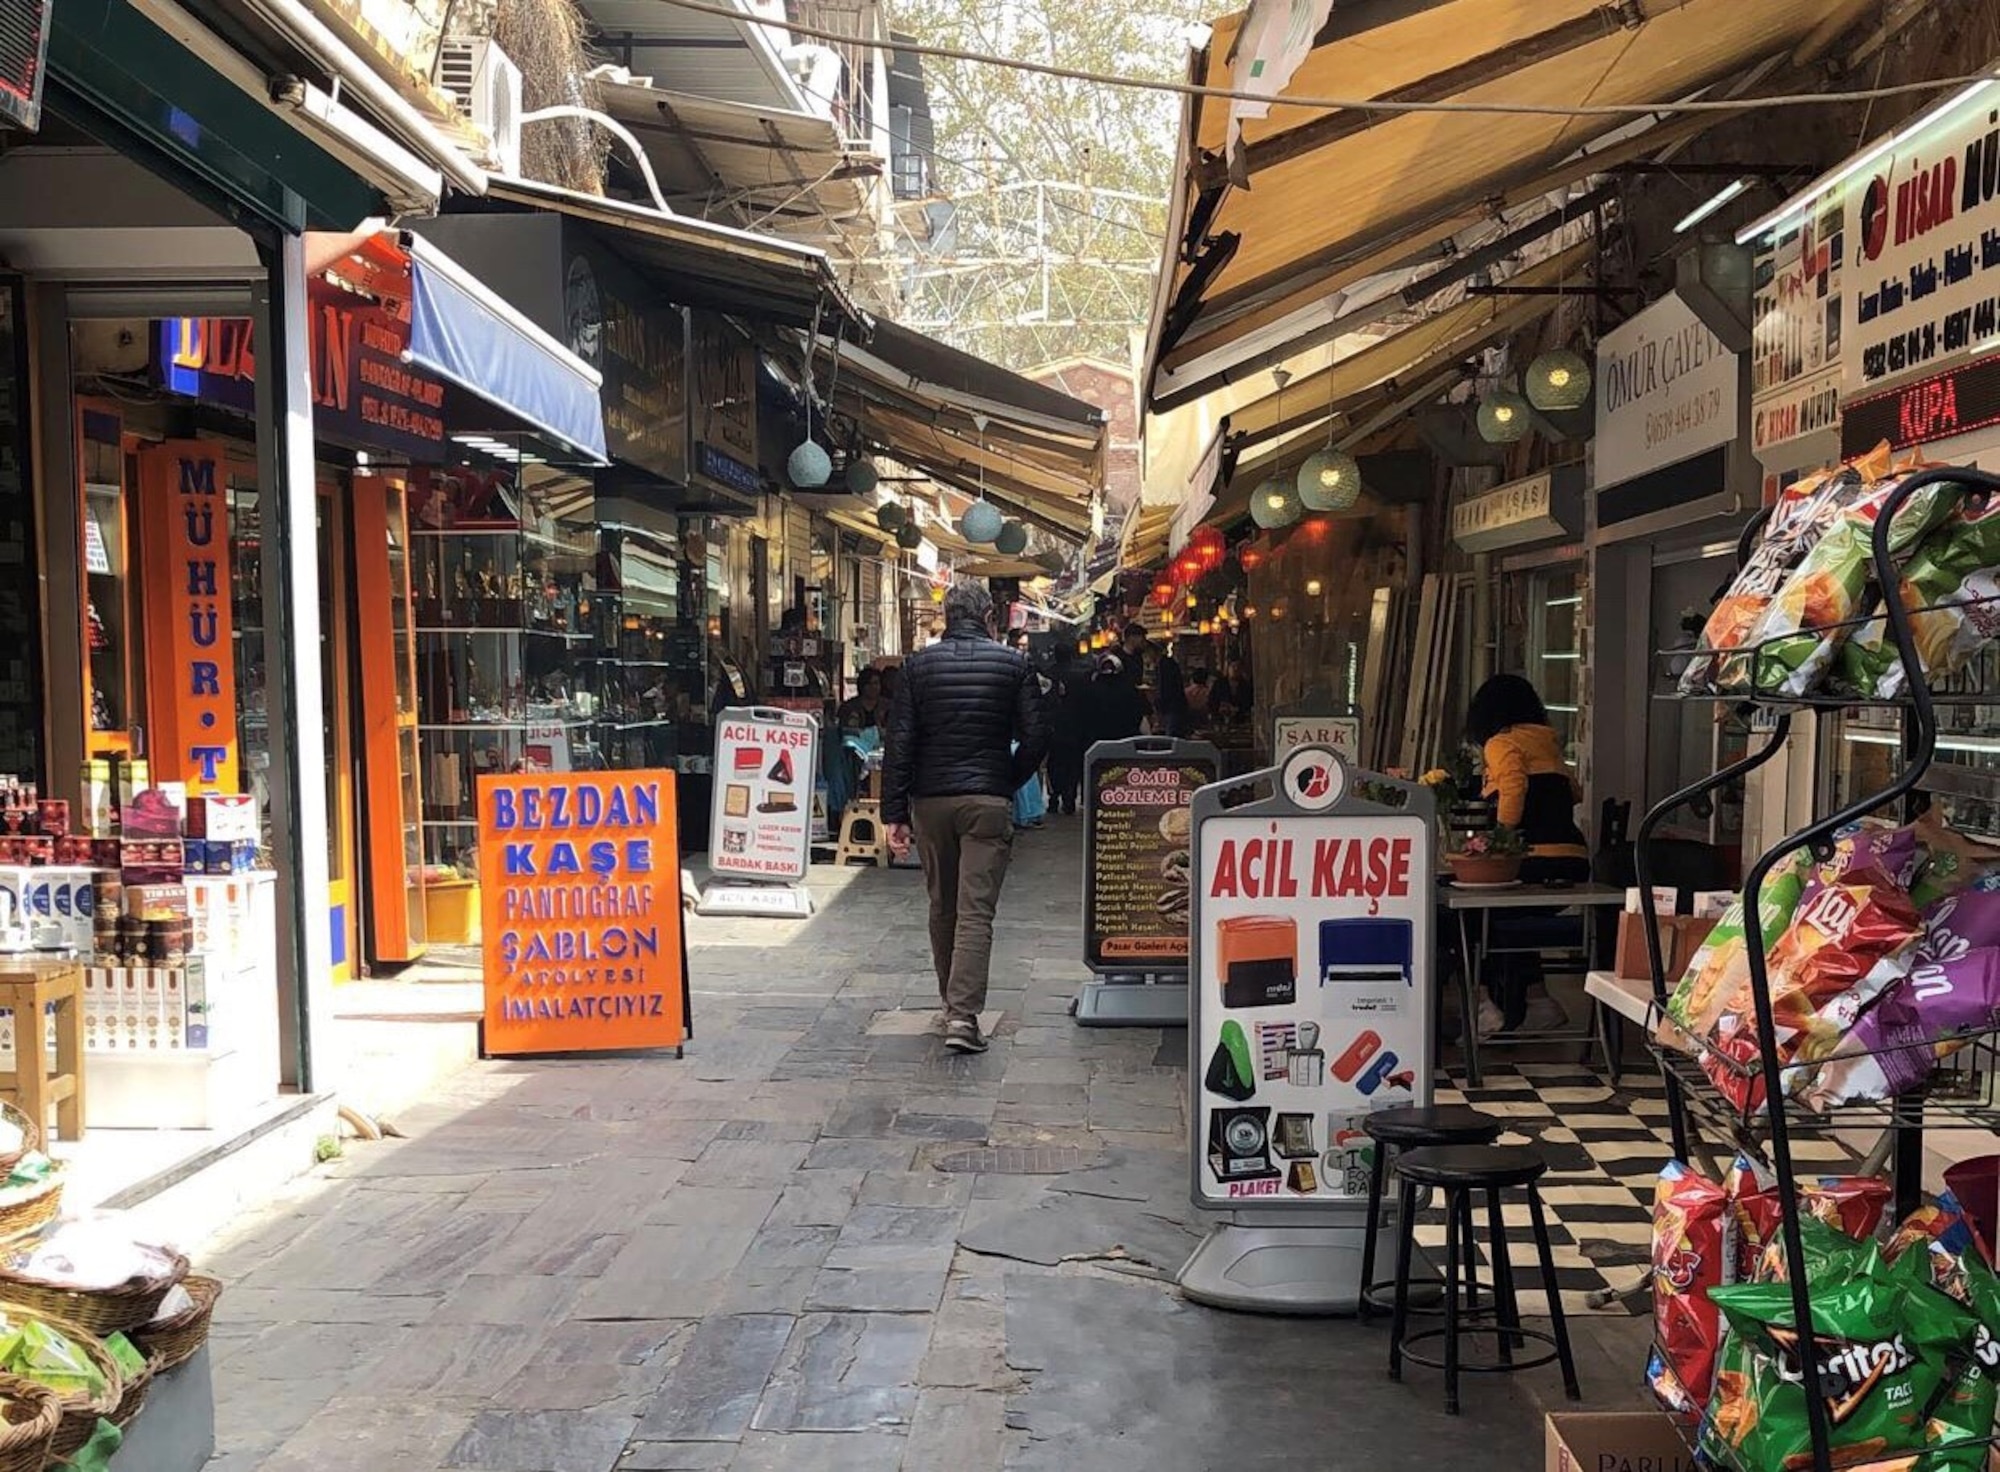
(1533, 791)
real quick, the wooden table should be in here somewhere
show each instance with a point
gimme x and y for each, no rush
(30, 985)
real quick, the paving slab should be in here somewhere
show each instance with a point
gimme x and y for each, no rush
(713, 1390)
(846, 1372)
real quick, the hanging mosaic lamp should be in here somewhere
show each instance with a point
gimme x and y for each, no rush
(1559, 380)
(981, 523)
(1250, 557)
(1274, 504)
(890, 516)
(1163, 591)
(809, 466)
(1330, 481)
(909, 536)
(1012, 541)
(862, 477)
(1503, 417)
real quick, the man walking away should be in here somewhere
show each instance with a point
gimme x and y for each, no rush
(965, 732)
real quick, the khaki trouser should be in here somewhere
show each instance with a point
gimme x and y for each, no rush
(965, 843)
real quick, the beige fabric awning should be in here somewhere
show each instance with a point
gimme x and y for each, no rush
(1322, 199)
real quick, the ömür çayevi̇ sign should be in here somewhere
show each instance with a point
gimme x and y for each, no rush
(580, 901)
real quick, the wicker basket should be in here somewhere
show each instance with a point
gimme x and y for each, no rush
(25, 1210)
(175, 1340)
(133, 1399)
(31, 1138)
(29, 1414)
(99, 1310)
(80, 1413)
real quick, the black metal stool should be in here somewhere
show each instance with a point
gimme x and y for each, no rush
(1459, 1171)
(1412, 1129)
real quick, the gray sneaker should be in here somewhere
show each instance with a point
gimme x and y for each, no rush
(963, 1036)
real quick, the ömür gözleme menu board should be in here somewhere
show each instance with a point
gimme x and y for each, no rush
(1136, 875)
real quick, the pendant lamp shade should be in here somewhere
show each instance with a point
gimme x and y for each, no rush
(1275, 503)
(909, 536)
(862, 477)
(809, 466)
(1013, 539)
(890, 516)
(1330, 481)
(1559, 380)
(1503, 417)
(981, 523)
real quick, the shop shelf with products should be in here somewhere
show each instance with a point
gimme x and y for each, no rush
(505, 612)
(649, 651)
(1752, 1048)
(112, 682)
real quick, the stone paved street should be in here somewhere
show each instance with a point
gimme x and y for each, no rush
(817, 1242)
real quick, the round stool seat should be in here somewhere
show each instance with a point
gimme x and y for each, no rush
(1441, 1124)
(1460, 1166)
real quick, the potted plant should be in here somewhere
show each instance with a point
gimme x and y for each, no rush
(1492, 857)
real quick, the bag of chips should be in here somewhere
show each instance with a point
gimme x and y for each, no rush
(1894, 1046)
(1961, 1425)
(1939, 1229)
(1830, 1255)
(1952, 861)
(1690, 1254)
(1887, 1351)
(1960, 924)
(1951, 586)
(1721, 968)
(1801, 515)
(1796, 640)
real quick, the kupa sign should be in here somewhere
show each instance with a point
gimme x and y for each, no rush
(1310, 1009)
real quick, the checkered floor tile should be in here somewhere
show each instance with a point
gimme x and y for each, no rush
(1605, 1146)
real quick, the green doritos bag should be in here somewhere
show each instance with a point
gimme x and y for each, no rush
(1887, 1352)
(1961, 1427)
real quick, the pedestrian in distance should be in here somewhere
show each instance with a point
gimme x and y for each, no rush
(965, 731)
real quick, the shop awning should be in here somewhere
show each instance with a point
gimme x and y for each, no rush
(1253, 239)
(768, 167)
(466, 335)
(706, 265)
(1148, 537)
(504, 373)
(971, 424)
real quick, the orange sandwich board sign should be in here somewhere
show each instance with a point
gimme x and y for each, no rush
(580, 912)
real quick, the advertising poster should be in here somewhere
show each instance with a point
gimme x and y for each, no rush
(766, 762)
(580, 900)
(1309, 1008)
(1136, 857)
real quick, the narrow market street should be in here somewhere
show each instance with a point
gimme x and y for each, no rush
(818, 1241)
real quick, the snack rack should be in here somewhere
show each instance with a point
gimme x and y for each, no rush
(1965, 1091)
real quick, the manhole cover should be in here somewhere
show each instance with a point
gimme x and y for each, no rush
(1017, 1160)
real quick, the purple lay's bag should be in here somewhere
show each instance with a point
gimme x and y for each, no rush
(1959, 924)
(1897, 1044)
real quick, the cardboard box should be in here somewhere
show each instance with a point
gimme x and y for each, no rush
(1615, 1441)
(223, 818)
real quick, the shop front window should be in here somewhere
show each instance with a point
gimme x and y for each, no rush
(1554, 655)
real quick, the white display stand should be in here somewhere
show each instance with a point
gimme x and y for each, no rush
(763, 813)
(1310, 1008)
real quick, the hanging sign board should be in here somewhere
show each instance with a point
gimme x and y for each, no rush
(1340, 733)
(1919, 224)
(1795, 341)
(761, 823)
(1309, 984)
(1135, 853)
(580, 901)
(190, 654)
(1667, 389)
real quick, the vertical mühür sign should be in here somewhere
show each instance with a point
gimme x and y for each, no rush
(761, 823)
(191, 654)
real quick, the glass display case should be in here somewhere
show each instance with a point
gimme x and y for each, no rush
(650, 673)
(1963, 782)
(112, 693)
(506, 612)
(392, 827)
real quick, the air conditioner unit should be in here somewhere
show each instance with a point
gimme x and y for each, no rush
(486, 84)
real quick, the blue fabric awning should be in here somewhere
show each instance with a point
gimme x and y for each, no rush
(461, 331)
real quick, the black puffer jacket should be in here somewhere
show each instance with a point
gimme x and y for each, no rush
(961, 707)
